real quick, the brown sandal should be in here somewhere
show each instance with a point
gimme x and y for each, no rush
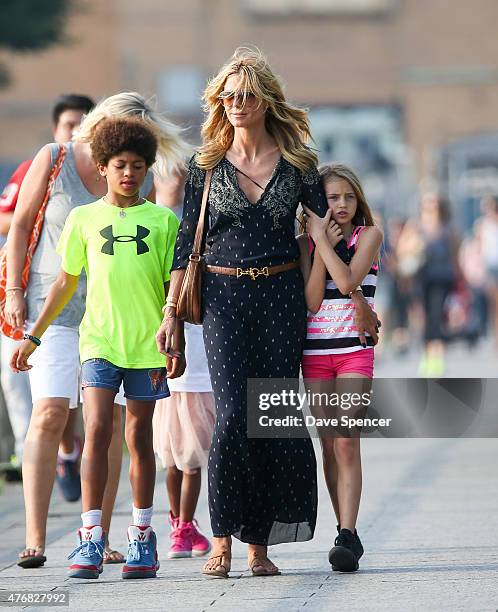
(258, 561)
(221, 569)
(32, 561)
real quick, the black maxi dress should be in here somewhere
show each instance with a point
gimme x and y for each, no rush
(262, 491)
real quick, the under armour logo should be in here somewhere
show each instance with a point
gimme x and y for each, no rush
(108, 246)
(88, 535)
(142, 536)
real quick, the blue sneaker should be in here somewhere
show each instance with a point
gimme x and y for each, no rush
(141, 561)
(68, 476)
(89, 555)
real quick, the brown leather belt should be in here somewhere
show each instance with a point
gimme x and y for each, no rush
(253, 272)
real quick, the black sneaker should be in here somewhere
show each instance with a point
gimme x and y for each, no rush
(68, 479)
(346, 553)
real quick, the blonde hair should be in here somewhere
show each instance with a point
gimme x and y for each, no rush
(287, 124)
(172, 150)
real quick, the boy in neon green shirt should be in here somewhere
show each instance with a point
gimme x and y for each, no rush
(125, 244)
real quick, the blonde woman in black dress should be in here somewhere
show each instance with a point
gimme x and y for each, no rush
(262, 491)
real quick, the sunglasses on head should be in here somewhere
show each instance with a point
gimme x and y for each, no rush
(239, 98)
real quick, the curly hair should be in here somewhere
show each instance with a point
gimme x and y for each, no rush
(118, 134)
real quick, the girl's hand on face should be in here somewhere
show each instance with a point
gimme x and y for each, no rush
(334, 233)
(317, 226)
(19, 359)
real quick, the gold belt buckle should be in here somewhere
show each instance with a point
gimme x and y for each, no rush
(253, 272)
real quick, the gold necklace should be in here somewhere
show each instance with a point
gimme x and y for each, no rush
(122, 212)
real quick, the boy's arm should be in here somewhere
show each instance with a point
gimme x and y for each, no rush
(58, 296)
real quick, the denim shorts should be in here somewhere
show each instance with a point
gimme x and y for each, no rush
(147, 385)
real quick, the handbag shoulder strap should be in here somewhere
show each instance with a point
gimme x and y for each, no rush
(196, 250)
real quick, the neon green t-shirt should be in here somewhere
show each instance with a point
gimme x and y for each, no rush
(127, 255)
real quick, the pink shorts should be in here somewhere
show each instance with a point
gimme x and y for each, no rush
(324, 367)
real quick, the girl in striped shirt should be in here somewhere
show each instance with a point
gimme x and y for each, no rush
(339, 255)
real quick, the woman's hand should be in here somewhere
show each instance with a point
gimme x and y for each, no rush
(317, 226)
(15, 308)
(334, 233)
(164, 336)
(19, 359)
(175, 364)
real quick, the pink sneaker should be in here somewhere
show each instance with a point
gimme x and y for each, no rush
(181, 541)
(173, 520)
(200, 544)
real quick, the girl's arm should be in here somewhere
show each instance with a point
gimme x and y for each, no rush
(346, 277)
(58, 296)
(31, 195)
(314, 275)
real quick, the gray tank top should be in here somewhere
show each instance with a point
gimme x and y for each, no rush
(67, 193)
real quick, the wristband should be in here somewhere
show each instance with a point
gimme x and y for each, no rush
(32, 339)
(13, 289)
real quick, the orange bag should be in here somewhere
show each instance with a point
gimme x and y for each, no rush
(17, 333)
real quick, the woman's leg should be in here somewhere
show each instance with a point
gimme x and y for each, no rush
(138, 434)
(98, 433)
(174, 479)
(47, 423)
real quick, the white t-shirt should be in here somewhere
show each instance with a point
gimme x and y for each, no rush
(196, 376)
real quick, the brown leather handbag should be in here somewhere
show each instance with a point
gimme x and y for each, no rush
(189, 306)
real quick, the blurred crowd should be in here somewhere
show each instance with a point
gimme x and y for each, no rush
(440, 286)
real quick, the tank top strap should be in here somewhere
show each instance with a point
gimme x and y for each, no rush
(311, 245)
(355, 235)
(54, 151)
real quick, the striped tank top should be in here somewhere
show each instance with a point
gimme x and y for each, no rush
(332, 330)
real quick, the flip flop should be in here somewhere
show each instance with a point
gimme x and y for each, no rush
(220, 570)
(263, 571)
(107, 557)
(33, 560)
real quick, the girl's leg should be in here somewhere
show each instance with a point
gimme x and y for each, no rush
(330, 472)
(138, 434)
(174, 480)
(348, 459)
(191, 487)
(98, 433)
(327, 436)
(47, 423)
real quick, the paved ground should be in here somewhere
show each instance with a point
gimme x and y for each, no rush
(429, 523)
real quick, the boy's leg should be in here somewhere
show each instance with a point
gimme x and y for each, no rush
(87, 558)
(98, 433)
(138, 435)
(142, 560)
(114, 461)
